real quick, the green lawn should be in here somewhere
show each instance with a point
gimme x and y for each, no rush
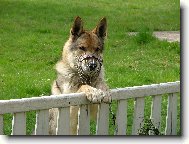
(32, 34)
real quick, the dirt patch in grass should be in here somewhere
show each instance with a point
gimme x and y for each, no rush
(170, 36)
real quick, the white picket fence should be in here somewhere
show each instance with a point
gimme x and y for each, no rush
(19, 107)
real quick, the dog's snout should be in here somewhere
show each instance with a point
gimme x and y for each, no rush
(92, 65)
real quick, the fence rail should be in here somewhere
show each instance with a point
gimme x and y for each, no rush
(19, 107)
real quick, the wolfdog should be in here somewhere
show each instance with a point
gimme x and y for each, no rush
(81, 70)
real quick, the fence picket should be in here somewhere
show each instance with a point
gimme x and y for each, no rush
(171, 119)
(1, 124)
(121, 117)
(84, 120)
(156, 112)
(102, 119)
(174, 114)
(19, 124)
(63, 125)
(42, 122)
(138, 115)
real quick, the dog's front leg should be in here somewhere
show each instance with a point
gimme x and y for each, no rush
(96, 95)
(53, 113)
(93, 95)
(103, 86)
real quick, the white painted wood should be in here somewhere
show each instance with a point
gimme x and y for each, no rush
(102, 126)
(65, 100)
(42, 122)
(171, 119)
(1, 124)
(174, 114)
(83, 120)
(19, 124)
(138, 118)
(121, 117)
(63, 126)
(168, 117)
(156, 112)
(145, 90)
(44, 102)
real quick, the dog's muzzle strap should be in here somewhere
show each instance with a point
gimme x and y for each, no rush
(86, 79)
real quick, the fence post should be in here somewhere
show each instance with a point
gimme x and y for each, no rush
(103, 119)
(121, 117)
(156, 112)
(1, 124)
(138, 118)
(83, 120)
(42, 122)
(171, 119)
(63, 125)
(19, 124)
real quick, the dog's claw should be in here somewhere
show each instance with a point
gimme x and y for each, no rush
(107, 98)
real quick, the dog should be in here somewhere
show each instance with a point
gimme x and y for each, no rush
(81, 70)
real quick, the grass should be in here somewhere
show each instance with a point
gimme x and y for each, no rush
(33, 33)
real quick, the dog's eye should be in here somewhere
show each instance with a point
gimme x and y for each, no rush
(82, 48)
(97, 49)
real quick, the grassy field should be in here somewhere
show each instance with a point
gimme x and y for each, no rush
(32, 34)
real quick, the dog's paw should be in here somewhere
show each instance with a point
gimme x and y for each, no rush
(98, 96)
(95, 95)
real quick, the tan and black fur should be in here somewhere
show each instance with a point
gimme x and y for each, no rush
(81, 70)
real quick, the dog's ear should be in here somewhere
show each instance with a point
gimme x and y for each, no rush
(77, 27)
(101, 28)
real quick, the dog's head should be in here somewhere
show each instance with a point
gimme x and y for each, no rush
(85, 49)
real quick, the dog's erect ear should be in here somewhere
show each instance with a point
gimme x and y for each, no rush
(101, 28)
(77, 27)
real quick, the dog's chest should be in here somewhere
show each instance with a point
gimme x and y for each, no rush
(72, 83)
